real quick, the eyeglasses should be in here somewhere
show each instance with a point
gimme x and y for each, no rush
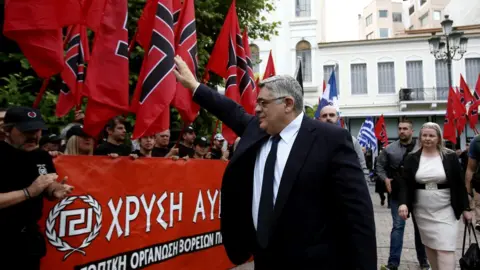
(264, 102)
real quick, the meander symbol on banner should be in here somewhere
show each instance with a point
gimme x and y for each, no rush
(68, 226)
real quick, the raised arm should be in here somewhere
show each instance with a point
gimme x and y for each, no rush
(225, 109)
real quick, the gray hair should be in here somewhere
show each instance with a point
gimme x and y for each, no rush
(441, 142)
(285, 85)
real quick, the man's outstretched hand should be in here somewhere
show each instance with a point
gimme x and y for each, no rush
(184, 75)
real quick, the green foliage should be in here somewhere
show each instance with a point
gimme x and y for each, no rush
(19, 83)
(310, 112)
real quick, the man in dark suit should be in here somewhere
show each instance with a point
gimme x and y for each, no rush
(293, 194)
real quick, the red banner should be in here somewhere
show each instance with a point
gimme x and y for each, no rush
(136, 214)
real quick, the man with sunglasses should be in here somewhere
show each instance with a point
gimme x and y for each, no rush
(293, 194)
(28, 175)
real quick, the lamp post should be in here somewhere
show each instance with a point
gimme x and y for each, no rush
(450, 45)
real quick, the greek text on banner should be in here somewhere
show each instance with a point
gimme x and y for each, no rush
(136, 214)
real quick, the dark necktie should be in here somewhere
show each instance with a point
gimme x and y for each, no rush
(265, 209)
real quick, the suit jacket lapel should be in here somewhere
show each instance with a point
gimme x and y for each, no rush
(299, 152)
(248, 141)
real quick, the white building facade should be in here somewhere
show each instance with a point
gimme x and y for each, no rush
(370, 73)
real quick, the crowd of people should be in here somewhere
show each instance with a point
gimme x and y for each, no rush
(328, 214)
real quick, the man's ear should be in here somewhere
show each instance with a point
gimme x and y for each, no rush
(289, 104)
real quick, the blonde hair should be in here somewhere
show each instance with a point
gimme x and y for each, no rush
(73, 149)
(441, 142)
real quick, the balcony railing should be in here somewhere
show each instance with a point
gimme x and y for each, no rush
(423, 94)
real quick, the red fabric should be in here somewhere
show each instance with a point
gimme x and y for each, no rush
(145, 24)
(249, 96)
(74, 71)
(36, 27)
(468, 99)
(465, 94)
(270, 69)
(459, 112)
(156, 84)
(381, 131)
(219, 57)
(186, 47)
(106, 85)
(473, 110)
(449, 124)
(228, 60)
(477, 89)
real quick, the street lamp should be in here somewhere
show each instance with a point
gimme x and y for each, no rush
(449, 46)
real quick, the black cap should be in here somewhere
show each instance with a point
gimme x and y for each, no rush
(24, 119)
(202, 141)
(52, 138)
(189, 129)
(77, 130)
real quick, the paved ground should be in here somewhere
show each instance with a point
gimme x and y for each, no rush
(383, 222)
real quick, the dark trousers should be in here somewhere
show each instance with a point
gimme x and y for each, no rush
(396, 238)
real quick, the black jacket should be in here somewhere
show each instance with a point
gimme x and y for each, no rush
(323, 216)
(455, 179)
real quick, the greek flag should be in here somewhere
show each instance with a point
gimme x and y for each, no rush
(366, 136)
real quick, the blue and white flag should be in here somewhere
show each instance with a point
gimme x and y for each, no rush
(329, 97)
(366, 136)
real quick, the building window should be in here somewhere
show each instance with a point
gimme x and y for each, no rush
(302, 8)
(327, 71)
(383, 13)
(255, 51)
(437, 15)
(386, 78)
(422, 2)
(370, 36)
(383, 32)
(358, 74)
(415, 74)
(411, 10)
(441, 75)
(472, 66)
(424, 19)
(304, 51)
(397, 16)
(369, 20)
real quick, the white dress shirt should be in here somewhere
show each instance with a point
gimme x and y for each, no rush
(288, 136)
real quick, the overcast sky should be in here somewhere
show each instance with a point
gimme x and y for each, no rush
(342, 19)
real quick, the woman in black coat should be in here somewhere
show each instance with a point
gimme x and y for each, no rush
(433, 189)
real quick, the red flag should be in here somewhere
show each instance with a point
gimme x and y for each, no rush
(460, 113)
(156, 83)
(186, 47)
(449, 124)
(476, 93)
(473, 110)
(106, 84)
(468, 100)
(250, 96)
(228, 60)
(381, 131)
(270, 68)
(145, 24)
(73, 75)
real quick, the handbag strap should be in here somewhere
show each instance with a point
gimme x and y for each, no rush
(473, 230)
(468, 227)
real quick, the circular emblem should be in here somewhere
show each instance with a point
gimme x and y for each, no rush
(32, 114)
(56, 240)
